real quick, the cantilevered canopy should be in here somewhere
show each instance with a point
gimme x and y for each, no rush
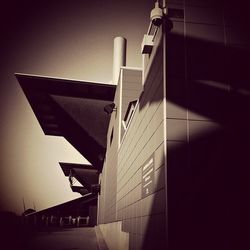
(72, 109)
(67, 167)
(70, 206)
(85, 174)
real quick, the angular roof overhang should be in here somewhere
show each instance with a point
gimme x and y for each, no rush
(80, 190)
(85, 174)
(72, 109)
(67, 167)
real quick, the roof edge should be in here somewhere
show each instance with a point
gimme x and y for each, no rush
(25, 75)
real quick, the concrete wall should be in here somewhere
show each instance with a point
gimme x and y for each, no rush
(131, 88)
(141, 216)
(115, 237)
(107, 199)
(144, 217)
(207, 134)
(206, 125)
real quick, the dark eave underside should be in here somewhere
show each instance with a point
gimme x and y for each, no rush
(66, 87)
(66, 167)
(85, 174)
(72, 109)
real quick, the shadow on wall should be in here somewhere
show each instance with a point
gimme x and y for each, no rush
(208, 173)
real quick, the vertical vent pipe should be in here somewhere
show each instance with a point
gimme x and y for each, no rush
(119, 57)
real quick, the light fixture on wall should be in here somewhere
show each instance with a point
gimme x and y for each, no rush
(108, 109)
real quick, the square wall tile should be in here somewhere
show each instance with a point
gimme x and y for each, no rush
(205, 52)
(176, 89)
(138, 242)
(208, 100)
(145, 227)
(177, 110)
(153, 229)
(176, 98)
(237, 35)
(237, 17)
(133, 225)
(138, 225)
(176, 51)
(132, 241)
(125, 225)
(178, 2)
(179, 172)
(138, 208)
(147, 205)
(238, 65)
(160, 178)
(176, 130)
(204, 3)
(159, 203)
(202, 129)
(159, 156)
(203, 32)
(203, 15)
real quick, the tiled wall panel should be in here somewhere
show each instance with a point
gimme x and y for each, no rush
(143, 138)
(207, 73)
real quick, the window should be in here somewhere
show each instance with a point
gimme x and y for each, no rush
(129, 114)
(111, 136)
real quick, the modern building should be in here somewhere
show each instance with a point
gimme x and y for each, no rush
(170, 141)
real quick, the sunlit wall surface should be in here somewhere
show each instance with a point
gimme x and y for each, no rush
(132, 202)
(205, 131)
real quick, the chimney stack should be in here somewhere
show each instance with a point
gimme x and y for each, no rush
(119, 57)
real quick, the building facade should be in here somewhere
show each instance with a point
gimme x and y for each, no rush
(173, 153)
(174, 177)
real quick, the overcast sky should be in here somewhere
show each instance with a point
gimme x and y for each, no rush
(66, 39)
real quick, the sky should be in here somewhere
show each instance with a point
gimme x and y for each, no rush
(65, 39)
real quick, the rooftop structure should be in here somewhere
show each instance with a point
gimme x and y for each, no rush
(72, 109)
